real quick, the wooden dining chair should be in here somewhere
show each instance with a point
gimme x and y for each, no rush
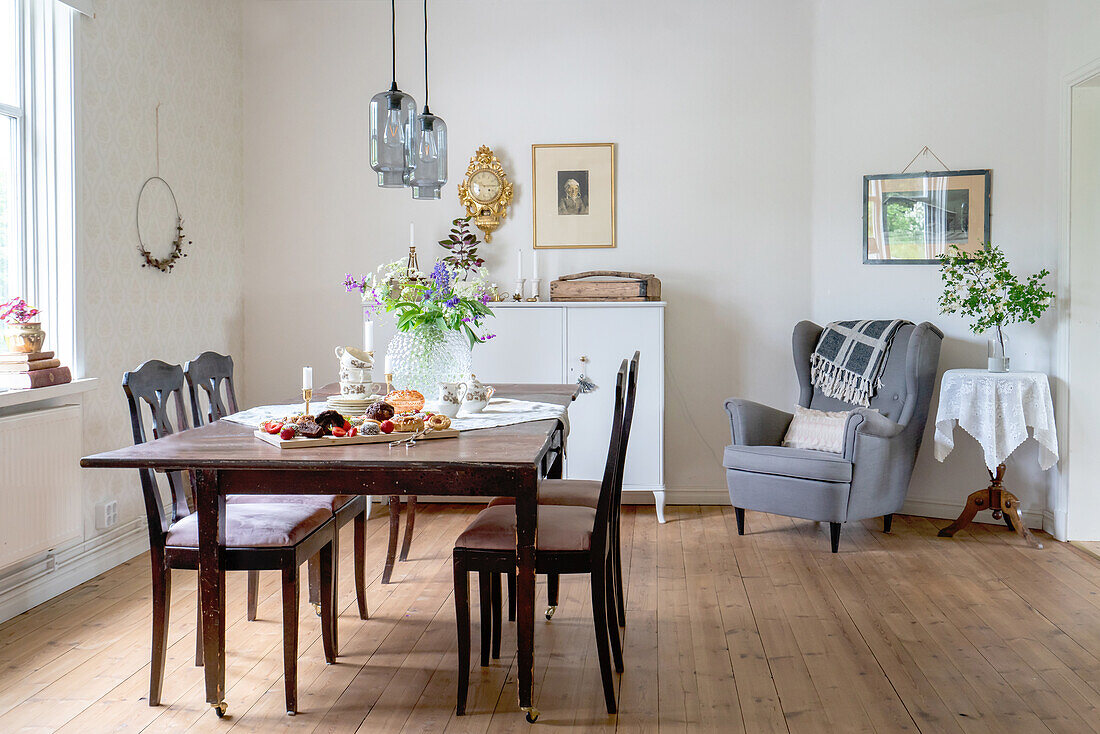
(584, 493)
(395, 529)
(571, 539)
(258, 536)
(210, 376)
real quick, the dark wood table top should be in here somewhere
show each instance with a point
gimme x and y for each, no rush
(226, 445)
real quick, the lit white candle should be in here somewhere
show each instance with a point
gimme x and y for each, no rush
(307, 378)
(368, 335)
(536, 256)
(519, 264)
(412, 235)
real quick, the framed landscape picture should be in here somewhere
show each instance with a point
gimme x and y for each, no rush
(573, 187)
(910, 218)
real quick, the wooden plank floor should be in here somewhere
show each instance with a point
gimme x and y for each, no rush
(763, 633)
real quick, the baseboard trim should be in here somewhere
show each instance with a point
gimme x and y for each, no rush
(58, 571)
(951, 510)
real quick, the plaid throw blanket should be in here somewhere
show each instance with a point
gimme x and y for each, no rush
(849, 358)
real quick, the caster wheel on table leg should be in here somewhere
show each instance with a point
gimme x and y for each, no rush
(550, 613)
(532, 714)
(220, 708)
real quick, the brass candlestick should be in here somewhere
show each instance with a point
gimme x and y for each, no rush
(389, 382)
(307, 395)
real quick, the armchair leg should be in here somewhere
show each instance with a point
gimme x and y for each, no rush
(740, 513)
(834, 536)
(887, 522)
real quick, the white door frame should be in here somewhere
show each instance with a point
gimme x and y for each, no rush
(1060, 506)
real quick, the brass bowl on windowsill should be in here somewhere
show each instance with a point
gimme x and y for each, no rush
(24, 338)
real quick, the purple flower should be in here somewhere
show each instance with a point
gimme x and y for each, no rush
(487, 337)
(451, 303)
(441, 276)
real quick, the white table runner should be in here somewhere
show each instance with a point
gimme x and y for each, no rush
(499, 412)
(997, 409)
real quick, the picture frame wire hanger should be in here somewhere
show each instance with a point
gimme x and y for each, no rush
(926, 151)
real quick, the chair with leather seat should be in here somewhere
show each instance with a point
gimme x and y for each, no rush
(210, 376)
(582, 493)
(258, 536)
(571, 539)
(871, 477)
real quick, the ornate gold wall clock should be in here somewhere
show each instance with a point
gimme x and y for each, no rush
(486, 191)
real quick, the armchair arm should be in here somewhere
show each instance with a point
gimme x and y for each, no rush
(753, 424)
(863, 422)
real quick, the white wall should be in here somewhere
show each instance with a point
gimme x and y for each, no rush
(977, 82)
(708, 103)
(186, 56)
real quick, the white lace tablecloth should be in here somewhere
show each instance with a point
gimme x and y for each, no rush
(997, 409)
(499, 412)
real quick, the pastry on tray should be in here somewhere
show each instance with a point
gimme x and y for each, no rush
(379, 411)
(405, 401)
(408, 423)
(439, 422)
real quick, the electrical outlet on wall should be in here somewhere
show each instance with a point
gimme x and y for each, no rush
(106, 515)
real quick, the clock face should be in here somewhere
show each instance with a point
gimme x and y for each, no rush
(484, 186)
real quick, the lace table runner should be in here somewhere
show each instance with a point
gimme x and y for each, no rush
(997, 409)
(499, 412)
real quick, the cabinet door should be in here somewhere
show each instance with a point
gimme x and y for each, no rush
(529, 346)
(606, 336)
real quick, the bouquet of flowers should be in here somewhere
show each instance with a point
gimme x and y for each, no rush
(16, 311)
(442, 299)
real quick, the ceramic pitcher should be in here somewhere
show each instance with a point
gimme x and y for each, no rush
(477, 395)
(450, 398)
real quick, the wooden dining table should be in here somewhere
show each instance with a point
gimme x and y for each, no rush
(226, 458)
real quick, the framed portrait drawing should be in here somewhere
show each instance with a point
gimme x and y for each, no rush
(573, 187)
(910, 218)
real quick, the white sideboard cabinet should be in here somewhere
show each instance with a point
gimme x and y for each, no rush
(556, 342)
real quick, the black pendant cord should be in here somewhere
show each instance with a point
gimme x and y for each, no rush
(393, 40)
(426, 111)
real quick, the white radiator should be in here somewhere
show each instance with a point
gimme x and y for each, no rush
(40, 494)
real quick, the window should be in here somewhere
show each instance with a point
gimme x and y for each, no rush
(37, 162)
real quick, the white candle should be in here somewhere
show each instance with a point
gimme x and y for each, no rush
(307, 378)
(536, 256)
(389, 365)
(368, 335)
(519, 264)
(412, 237)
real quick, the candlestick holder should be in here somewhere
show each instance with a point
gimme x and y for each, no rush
(520, 288)
(389, 382)
(536, 286)
(307, 395)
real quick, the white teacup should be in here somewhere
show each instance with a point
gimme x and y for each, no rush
(444, 407)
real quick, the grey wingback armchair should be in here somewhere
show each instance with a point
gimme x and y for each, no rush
(871, 477)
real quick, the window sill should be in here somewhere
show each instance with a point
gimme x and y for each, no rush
(11, 398)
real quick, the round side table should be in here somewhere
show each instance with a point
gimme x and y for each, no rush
(997, 409)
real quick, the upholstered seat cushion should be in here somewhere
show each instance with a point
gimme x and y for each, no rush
(573, 492)
(561, 528)
(783, 461)
(255, 525)
(332, 501)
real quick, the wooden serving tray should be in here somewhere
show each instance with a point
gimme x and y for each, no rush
(300, 442)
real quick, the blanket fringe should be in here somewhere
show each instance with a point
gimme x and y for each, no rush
(836, 382)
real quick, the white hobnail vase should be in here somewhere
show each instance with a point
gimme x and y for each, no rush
(424, 358)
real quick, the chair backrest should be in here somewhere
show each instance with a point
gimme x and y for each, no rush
(158, 386)
(212, 373)
(605, 509)
(628, 419)
(907, 379)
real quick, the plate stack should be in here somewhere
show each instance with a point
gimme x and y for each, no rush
(349, 405)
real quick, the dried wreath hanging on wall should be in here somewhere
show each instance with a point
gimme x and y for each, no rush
(164, 264)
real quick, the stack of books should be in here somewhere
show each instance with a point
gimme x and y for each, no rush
(20, 371)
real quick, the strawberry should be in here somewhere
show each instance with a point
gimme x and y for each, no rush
(347, 425)
(353, 431)
(386, 427)
(286, 434)
(339, 432)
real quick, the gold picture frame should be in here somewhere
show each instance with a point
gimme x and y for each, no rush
(573, 190)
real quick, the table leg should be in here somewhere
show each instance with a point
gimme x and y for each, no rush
(527, 509)
(210, 505)
(998, 499)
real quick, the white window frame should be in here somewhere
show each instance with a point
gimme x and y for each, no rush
(45, 185)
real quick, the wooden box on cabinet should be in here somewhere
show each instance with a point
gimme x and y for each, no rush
(544, 342)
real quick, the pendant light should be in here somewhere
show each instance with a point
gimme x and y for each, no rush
(429, 171)
(391, 126)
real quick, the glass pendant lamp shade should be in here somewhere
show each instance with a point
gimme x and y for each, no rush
(429, 171)
(391, 136)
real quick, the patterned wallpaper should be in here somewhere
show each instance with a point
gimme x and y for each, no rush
(186, 56)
